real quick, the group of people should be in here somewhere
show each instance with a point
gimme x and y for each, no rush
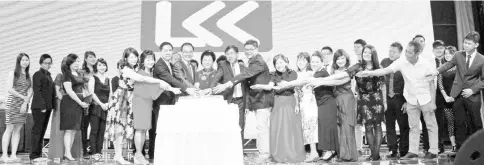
(322, 103)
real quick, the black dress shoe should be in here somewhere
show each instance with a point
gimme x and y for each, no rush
(409, 156)
(426, 152)
(430, 156)
(441, 150)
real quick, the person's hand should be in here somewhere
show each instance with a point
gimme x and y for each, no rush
(205, 92)
(467, 93)
(197, 85)
(404, 108)
(220, 88)
(176, 91)
(192, 91)
(385, 106)
(25, 98)
(282, 84)
(104, 107)
(122, 85)
(431, 74)
(84, 105)
(23, 108)
(164, 85)
(276, 88)
(449, 99)
(363, 74)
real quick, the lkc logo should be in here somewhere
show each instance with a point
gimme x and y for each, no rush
(206, 24)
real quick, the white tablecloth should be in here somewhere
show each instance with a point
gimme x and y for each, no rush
(198, 135)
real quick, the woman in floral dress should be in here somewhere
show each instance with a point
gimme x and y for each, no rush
(307, 106)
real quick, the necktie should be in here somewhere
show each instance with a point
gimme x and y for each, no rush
(468, 61)
(190, 71)
(390, 84)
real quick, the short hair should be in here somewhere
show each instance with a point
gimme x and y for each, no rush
(194, 61)
(280, 56)
(438, 43)
(252, 42)
(327, 48)
(143, 56)
(70, 59)
(183, 45)
(165, 43)
(397, 45)
(241, 61)
(361, 42)
(339, 53)
(304, 56)
(207, 53)
(102, 61)
(43, 57)
(417, 36)
(221, 58)
(84, 65)
(233, 47)
(416, 46)
(318, 54)
(473, 36)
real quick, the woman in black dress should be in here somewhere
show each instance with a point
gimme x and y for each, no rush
(445, 82)
(100, 88)
(71, 106)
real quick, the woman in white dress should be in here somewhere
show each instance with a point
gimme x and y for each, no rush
(307, 106)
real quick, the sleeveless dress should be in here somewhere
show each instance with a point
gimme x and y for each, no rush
(143, 96)
(71, 112)
(119, 121)
(13, 115)
(309, 110)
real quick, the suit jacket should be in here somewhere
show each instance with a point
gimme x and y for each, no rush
(256, 73)
(162, 72)
(466, 78)
(224, 74)
(44, 91)
(182, 73)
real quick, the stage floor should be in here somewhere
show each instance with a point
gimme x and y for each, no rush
(250, 160)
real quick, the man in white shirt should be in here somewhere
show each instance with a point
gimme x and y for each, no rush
(419, 91)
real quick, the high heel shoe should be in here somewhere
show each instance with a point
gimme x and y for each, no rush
(69, 159)
(454, 149)
(333, 154)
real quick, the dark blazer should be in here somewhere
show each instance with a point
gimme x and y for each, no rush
(44, 91)
(256, 73)
(162, 72)
(224, 74)
(182, 73)
(466, 78)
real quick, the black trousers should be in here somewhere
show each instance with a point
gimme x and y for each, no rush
(467, 117)
(394, 114)
(84, 125)
(41, 120)
(96, 137)
(240, 102)
(440, 115)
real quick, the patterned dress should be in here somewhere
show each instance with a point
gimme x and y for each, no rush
(13, 115)
(309, 110)
(370, 108)
(119, 121)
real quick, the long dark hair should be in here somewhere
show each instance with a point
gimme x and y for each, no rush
(84, 65)
(126, 54)
(374, 57)
(338, 53)
(70, 59)
(17, 72)
(143, 56)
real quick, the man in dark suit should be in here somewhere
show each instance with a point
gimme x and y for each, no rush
(467, 86)
(182, 69)
(260, 101)
(227, 68)
(163, 70)
(42, 104)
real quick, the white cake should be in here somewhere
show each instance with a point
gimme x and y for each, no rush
(202, 102)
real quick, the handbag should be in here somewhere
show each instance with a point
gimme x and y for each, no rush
(250, 129)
